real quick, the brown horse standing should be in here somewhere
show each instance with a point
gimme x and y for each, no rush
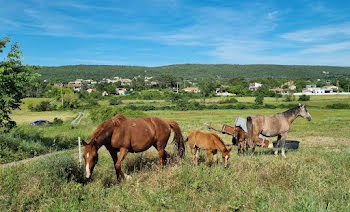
(276, 125)
(123, 135)
(210, 142)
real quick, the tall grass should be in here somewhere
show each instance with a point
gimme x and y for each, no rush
(310, 179)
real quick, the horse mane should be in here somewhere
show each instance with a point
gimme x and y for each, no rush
(114, 121)
(291, 111)
(221, 143)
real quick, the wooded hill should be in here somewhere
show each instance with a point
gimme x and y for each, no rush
(194, 72)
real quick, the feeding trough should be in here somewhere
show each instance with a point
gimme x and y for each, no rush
(290, 144)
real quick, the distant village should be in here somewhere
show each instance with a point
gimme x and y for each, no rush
(125, 86)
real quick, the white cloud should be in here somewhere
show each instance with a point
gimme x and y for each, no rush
(318, 34)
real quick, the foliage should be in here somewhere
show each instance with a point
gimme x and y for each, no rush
(304, 98)
(71, 101)
(115, 101)
(259, 100)
(172, 73)
(289, 97)
(150, 95)
(14, 78)
(103, 113)
(228, 100)
(57, 121)
(339, 106)
(207, 87)
(42, 106)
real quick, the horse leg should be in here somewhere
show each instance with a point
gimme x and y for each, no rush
(208, 158)
(193, 152)
(118, 165)
(197, 155)
(215, 155)
(283, 140)
(114, 155)
(278, 144)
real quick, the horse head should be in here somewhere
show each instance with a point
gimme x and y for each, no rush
(90, 157)
(303, 112)
(226, 155)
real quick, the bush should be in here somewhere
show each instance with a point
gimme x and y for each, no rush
(289, 97)
(241, 106)
(304, 98)
(103, 113)
(150, 95)
(42, 106)
(115, 101)
(270, 106)
(259, 100)
(57, 121)
(228, 100)
(338, 106)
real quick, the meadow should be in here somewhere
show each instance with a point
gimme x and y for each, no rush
(312, 178)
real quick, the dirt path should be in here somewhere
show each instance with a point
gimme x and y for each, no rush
(15, 163)
(77, 120)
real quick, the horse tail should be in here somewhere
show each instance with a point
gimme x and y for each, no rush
(178, 139)
(250, 129)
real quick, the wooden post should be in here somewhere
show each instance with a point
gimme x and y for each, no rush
(79, 145)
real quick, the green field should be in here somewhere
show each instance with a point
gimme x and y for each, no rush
(313, 178)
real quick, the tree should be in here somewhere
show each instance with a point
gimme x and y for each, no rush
(14, 80)
(259, 99)
(206, 86)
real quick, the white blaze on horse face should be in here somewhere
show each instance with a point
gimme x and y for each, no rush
(87, 170)
(226, 158)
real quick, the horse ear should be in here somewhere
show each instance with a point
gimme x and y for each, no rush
(229, 149)
(84, 143)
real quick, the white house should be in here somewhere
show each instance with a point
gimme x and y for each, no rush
(191, 89)
(222, 91)
(254, 86)
(120, 91)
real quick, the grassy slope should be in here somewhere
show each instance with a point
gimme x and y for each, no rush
(309, 179)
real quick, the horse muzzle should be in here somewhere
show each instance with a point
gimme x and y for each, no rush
(308, 118)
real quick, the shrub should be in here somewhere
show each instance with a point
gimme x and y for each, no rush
(338, 106)
(259, 100)
(42, 106)
(228, 100)
(304, 98)
(103, 113)
(57, 121)
(92, 102)
(115, 101)
(289, 97)
(150, 95)
(270, 106)
(241, 106)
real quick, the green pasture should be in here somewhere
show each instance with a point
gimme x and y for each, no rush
(313, 178)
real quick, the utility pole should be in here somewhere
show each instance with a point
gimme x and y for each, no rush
(62, 93)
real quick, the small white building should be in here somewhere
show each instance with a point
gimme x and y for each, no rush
(120, 91)
(222, 91)
(191, 89)
(254, 86)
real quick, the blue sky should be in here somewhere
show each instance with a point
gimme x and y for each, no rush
(163, 32)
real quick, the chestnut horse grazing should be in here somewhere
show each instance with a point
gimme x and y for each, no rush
(210, 142)
(123, 135)
(276, 125)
